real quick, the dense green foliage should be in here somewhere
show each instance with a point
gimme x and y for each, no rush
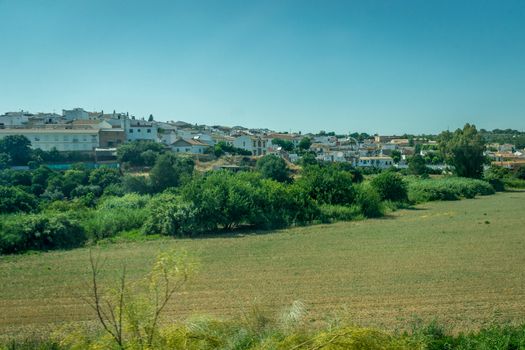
(175, 201)
(328, 185)
(448, 188)
(170, 171)
(273, 167)
(44, 231)
(16, 149)
(417, 165)
(14, 199)
(501, 178)
(305, 144)
(390, 186)
(464, 150)
(139, 153)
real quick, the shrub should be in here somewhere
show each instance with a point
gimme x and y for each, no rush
(104, 223)
(390, 186)
(514, 183)
(19, 233)
(273, 167)
(449, 188)
(104, 177)
(128, 201)
(331, 213)
(82, 190)
(327, 185)
(13, 199)
(136, 184)
(171, 171)
(369, 201)
(168, 215)
(278, 205)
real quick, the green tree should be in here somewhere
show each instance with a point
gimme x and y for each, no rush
(396, 156)
(519, 173)
(417, 165)
(305, 144)
(464, 150)
(285, 144)
(13, 199)
(17, 147)
(170, 171)
(104, 177)
(150, 119)
(136, 153)
(273, 167)
(5, 160)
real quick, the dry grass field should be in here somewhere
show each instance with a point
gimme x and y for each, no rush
(458, 262)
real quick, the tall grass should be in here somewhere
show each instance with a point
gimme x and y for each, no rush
(258, 332)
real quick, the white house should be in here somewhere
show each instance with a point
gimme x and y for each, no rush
(13, 119)
(189, 146)
(375, 162)
(255, 144)
(332, 156)
(75, 114)
(61, 139)
(223, 138)
(140, 130)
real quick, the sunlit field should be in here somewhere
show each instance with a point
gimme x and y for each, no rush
(458, 262)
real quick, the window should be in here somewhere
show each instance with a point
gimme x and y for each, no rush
(138, 130)
(131, 131)
(149, 131)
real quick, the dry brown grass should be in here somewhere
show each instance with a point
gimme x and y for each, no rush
(460, 262)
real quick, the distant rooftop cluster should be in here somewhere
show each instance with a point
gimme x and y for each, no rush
(84, 131)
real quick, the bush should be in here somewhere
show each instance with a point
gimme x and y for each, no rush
(128, 201)
(449, 188)
(327, 185)
(171, 171)
(369, 201)
(136, 184)
(168, 215)
(19, 233)
(13, 199)
(273, 167)
(105, 223)
(330, 213)
(390, 186)
(514, 183)
(278, 205)
(104, 177)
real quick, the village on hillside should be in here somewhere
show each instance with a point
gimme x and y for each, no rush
(99, 134)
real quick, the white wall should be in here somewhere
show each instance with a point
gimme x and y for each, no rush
(62, 140)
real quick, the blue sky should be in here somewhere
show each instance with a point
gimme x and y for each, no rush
(387, 66)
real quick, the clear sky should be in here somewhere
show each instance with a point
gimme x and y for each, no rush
(388, 66)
